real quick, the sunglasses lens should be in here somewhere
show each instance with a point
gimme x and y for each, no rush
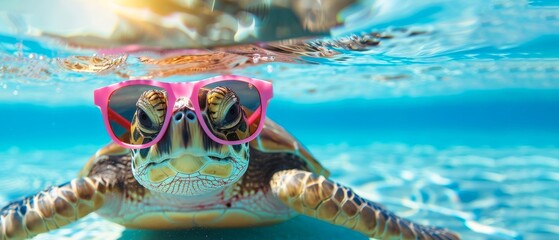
(137, 113)
(231, 109)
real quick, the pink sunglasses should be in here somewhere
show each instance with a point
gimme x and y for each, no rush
(118, 104)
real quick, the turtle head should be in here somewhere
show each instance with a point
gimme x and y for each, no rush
(186, 161)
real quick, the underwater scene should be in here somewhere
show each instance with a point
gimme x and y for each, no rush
(446, 113)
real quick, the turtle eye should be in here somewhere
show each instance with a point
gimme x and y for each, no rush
(150, 111)
(233, 117)
(144, 119)
(224, 109)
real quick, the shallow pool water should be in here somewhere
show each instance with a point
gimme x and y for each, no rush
(452, 121)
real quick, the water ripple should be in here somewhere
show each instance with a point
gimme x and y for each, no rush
(481, 193)
(387, 49)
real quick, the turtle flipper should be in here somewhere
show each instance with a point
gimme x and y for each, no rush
(316, 196)
(52, 208)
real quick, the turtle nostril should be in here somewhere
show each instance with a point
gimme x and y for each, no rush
(178, 117)
(190, 116)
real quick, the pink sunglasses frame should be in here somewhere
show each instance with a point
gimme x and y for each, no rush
(183, 89)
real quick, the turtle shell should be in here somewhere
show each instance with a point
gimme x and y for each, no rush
(111, 149)
(274, 139)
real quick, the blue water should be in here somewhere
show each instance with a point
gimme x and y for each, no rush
(457, 127)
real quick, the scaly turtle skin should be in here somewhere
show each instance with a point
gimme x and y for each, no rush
(187, 180)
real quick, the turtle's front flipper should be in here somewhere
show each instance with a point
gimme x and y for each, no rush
(52, 208)
(318, 197)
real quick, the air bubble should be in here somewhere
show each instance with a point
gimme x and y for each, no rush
(255, 58)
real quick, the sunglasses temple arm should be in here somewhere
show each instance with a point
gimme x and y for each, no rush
(119, 119)
(255, 115)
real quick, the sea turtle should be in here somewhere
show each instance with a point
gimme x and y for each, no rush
(187, 180)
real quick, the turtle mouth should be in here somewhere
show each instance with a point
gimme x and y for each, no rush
(153, 164)
(188, 163)
(220, 159)
(187, 156)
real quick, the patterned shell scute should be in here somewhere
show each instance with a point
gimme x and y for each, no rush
(275, 138)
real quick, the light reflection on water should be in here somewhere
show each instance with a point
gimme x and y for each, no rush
(424, 48)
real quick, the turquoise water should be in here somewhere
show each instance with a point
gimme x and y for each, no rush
(456, 127)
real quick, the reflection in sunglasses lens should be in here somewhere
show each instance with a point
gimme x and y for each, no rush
(137, 113)
(231, 109)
